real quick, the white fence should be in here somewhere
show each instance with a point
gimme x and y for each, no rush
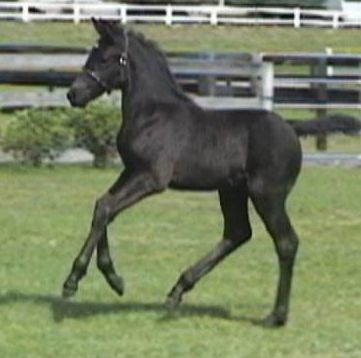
(174, 14)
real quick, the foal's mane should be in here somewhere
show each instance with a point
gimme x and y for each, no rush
(158, 59)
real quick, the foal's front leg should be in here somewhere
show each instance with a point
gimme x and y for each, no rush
(105, 265)
(128, 190)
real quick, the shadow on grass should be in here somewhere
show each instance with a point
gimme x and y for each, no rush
(63, 309)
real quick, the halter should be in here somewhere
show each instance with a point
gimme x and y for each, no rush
(94, 76)
(123, 59)
(123, 62)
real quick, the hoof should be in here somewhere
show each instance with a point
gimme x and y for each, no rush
(69, 290)
(272, 321)
(117, 284)
(172, 303)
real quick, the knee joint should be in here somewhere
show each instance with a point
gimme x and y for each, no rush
(186, 281)
(239, 237)
(104, 264)
(101, 211)
(80, 266)
(287, 249)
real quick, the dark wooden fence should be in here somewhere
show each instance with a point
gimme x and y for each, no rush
(236, 78)
(287, 80)
(33, 75)
(328, 81)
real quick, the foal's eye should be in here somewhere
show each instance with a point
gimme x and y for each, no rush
(104, 58)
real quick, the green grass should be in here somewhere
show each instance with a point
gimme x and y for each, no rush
(193, 37)
(45, 214)
(335, 144)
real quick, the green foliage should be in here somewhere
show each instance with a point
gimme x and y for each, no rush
(95, 129)
(35, 135)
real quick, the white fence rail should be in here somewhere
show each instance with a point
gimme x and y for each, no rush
(175, 14)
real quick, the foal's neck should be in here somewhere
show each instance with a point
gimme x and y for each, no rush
(150, 86)
(149, 82)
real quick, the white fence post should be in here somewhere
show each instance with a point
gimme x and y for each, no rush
(267, 83)
(123, 13)
(329, 70)
(168, 15)
(25, 12)
(335, 21)
(297, 17)
(214, 17)
(76, 13)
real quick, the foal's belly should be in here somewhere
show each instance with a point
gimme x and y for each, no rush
(195, 176)
(213, 158)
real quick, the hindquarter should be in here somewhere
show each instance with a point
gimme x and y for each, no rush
(274, 157)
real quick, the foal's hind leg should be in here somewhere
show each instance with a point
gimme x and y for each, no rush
(271, 208)
(237, 231)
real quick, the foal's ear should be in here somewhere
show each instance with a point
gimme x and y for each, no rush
(107, 30)
(99, 26)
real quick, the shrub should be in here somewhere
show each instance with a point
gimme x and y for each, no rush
(95, 129)
(36, 134)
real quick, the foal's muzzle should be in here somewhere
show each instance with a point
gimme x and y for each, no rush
(74, 99)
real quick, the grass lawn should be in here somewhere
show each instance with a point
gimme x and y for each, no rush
(193, 37)
(45, 214)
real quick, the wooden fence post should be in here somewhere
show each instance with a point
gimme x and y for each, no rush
(297, 17)
(168, 15)
(320, 70)
(207, 83)
(25, 12)
(123, 13)
(267, 86)
(214, 17)
(335, 21)
(76, 13)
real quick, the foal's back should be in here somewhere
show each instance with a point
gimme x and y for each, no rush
(225, 147)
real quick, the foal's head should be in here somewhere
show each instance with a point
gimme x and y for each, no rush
(106, 67)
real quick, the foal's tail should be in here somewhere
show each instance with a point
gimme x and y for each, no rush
(337, 123)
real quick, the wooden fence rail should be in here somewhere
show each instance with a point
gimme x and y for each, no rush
(204, 75)
(289, 80)
(315, 81)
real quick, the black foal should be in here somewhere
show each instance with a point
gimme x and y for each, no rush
(166, 140)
